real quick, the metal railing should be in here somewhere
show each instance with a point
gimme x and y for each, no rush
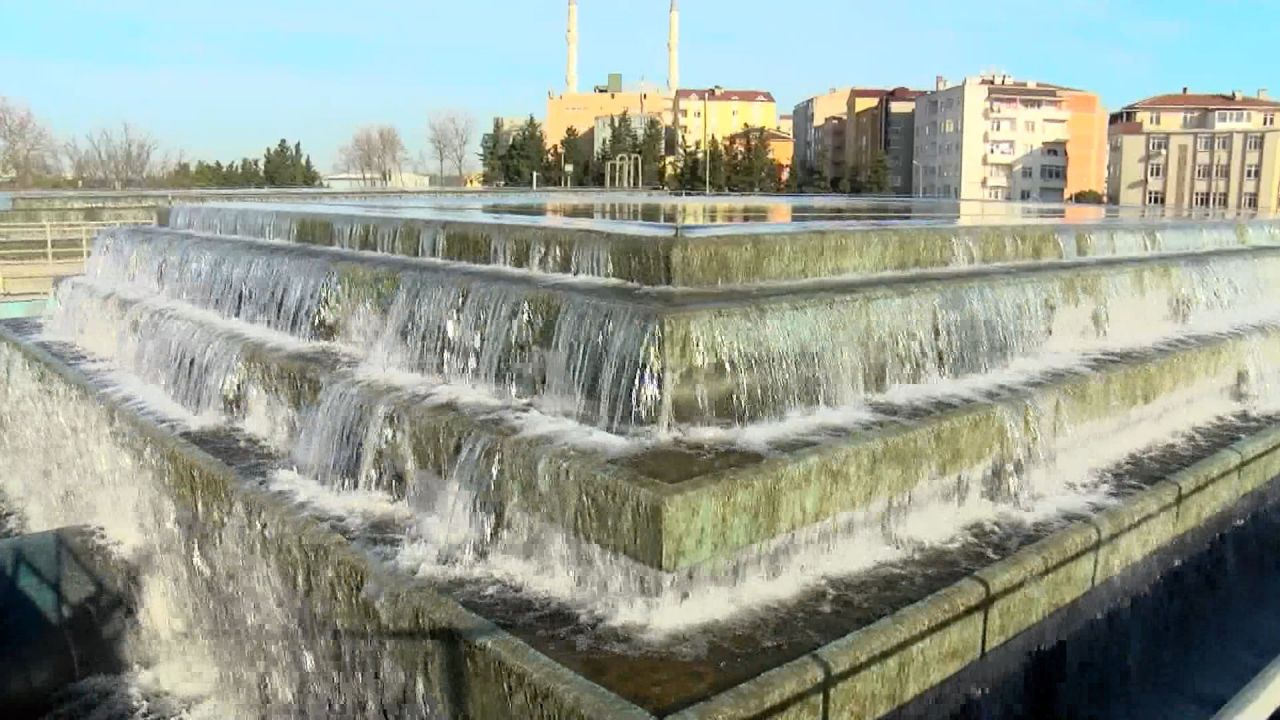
(48, 242)
(33, 255)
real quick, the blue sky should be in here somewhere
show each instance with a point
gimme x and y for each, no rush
(224, 79)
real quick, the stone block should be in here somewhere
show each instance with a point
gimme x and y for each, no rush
(1135, 528)
(1261, 455)
(880, 667)
(794, 691)
(1207, 488)
(1028, 586)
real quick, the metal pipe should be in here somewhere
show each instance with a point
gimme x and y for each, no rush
(1259, 700)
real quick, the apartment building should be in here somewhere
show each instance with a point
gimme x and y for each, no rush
(1190, 151)
(996, 138)
(808, 119)
(886, 129)
(830, 148)
(718, 113)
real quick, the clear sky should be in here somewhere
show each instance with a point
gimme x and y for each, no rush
(224, 79)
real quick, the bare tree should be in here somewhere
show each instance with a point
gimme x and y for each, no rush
(450, 135)
(438, 137)
(376, 152)
(122, 157)
(26, 147)
(79, 161)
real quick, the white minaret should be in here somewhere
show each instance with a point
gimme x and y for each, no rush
(571, 70)
(673, 49)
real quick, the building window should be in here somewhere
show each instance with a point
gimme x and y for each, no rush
(996, 194)
(1204, 142)
(1158, 143)
(1268, 120)
(1188, 118)
(1224, 142)
(684, 113)
(1155, 170)
(1025, 194)
(1054, 172)
(1032, 104)
(895, 180)
(1029, 126)
(1200, 199)
(1249, 201)
(1155, 197)
(1222, 172)
(1027, 171)
(1251, 172)
(1253, 142)
(1204, 172)
(1052, 152)
(1219, 199)
(1155, 118)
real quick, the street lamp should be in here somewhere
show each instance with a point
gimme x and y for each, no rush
(919, 178)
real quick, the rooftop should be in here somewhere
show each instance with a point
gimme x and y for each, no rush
(1186, 99)
(725, 95)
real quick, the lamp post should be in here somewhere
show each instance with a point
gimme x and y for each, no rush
(919, 178)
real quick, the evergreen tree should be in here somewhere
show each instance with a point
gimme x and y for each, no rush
(491, 152)
(651, 153)
(716, 161)
(877, 177)
(526, 155)
(575, 151)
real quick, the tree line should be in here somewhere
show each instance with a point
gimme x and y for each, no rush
(511, 156)
(126, 156)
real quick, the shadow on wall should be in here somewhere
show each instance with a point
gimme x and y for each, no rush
(64, 610)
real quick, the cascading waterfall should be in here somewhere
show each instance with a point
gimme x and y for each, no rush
(434, 412)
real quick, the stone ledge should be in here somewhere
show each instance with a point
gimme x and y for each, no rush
(998, 602)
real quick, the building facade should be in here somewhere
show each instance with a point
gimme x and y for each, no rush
(830, 146)
(807, 120)
(781, 147)
(1187, 151)
(860, 104)
(995, 138)
(700, 115)
(886, 130)
(580, 110)
(603, 128)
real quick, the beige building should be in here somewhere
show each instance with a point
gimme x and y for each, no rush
(785, 125)
(580, 110)
(808, 119)
(861, 102)
(885, 129)
(996, 138)
(718, 113)
(1196, 151)
(830, 145)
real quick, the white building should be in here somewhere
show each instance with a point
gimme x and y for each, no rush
(994, 138)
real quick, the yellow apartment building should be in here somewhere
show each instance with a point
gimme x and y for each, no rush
(1192, 151)
(700, 115)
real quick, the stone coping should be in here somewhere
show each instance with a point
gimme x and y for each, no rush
(881, 667)
(655, 255)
